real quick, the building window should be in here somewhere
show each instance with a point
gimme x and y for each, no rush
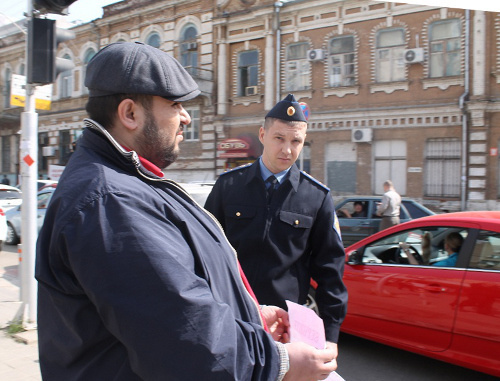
(43, 141)
(192, 131)
(444, 48)
(247, 72)
(6, 91)
(304, 161)
(66, 81)
(341, 55)
(64, 147)
(390, 164)
(5, 154)
(297, 67)
(389, 55)
(189, 49)
(86, 59)
(442, 167)
(154, 40)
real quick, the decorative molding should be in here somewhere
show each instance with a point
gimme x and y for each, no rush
(442, 83)
(389, 87)
(340, 91)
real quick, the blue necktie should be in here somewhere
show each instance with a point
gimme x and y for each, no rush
(272, 181)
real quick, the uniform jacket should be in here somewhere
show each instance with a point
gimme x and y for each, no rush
(283, 244)
(138, 282)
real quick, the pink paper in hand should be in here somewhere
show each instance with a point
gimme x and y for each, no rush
(308, 327)
(305, 325)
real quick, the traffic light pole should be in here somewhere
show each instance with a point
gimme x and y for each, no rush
(29, 168)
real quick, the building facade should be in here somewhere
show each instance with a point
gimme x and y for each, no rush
(394, 91)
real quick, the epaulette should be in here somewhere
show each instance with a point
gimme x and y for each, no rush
(315, 181)
(236, 169)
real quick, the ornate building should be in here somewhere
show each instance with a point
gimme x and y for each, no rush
(395, 91)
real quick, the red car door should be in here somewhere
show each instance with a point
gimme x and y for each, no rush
(403, 305)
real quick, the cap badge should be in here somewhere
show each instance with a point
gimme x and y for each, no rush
(290, 111)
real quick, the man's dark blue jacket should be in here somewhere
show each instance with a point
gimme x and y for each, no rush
(138, 282)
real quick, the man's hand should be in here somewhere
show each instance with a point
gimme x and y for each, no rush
(308, 363)
(277, 321)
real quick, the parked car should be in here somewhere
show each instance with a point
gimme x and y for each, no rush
(358, 227)
(198, 190)
(10, 197)
(3, 228)
(447, 313)
(14, 216)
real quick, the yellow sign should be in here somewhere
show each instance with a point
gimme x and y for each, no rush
(43, 94)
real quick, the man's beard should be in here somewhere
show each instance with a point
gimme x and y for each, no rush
(152, 144)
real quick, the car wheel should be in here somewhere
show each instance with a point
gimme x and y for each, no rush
(311, 300)
(12, 237)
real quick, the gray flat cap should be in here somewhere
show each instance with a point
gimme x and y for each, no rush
(137, 68)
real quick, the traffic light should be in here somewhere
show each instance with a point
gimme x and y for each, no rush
(53, 6)
(43, 38)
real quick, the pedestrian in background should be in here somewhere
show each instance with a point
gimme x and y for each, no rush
(136, 280)
(5, 180)
(390, 206)
(282, 222)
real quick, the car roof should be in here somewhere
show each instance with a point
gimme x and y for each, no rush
(4, 187)
(474, 219)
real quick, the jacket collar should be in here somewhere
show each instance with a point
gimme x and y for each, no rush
(254, 174)
(129, 156)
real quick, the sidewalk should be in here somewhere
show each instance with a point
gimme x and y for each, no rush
(19, 355)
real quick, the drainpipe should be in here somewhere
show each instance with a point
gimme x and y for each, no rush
(277, 6)
(464, 98)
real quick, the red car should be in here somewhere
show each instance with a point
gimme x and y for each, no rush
(450, 313)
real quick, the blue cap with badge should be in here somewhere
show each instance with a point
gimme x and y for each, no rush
(137, 68)
(287, 109)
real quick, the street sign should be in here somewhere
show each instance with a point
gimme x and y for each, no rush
(43, 94)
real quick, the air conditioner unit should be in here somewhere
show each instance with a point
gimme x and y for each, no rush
(361, 135)
(413, 55)
(250, 90)
(48, 151)
(192, 46)
(315, 54)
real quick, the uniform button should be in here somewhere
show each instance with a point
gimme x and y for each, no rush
(296, 222)
(238, 214)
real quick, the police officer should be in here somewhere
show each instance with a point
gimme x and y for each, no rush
(282, 222)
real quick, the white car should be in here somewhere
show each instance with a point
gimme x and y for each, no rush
(10, 197)
(3, 228)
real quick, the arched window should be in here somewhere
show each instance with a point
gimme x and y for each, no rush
(445, 48)
(389, 59)
(86, 59)
(297, 67)
(66, 81)
(154, 40)
(341, 57)
(189, 49)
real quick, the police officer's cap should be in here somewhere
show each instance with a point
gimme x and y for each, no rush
(137, 68)
(287, 109)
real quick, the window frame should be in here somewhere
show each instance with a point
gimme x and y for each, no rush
(342, 56)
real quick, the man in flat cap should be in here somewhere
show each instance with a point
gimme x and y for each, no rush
(136, 280)
(282, 222)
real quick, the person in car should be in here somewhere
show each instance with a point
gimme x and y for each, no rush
(282, 222)
(135, 280)
(452, 244)
(359, 210)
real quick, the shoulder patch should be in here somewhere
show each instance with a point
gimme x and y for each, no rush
(308, 176)
(236, 169)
